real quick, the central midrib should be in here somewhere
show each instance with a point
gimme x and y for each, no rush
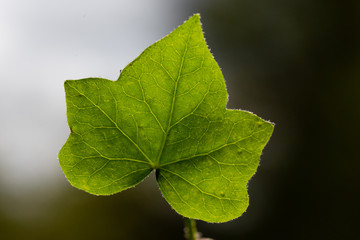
(157, 163)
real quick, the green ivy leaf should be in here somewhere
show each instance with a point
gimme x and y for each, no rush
(167, 111)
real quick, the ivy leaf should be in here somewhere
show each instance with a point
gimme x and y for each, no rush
(167, 111)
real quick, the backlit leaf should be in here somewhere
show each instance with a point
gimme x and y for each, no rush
(166, 112)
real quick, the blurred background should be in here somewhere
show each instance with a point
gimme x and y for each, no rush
(295, 63)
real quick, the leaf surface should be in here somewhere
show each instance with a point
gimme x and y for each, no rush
(167, 111)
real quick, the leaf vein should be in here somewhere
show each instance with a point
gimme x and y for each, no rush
(122, 132)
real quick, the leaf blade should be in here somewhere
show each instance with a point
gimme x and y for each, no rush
(167, 111)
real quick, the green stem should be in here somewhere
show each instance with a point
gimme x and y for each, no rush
(190, 229)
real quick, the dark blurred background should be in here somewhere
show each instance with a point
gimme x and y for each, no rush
(295, 63)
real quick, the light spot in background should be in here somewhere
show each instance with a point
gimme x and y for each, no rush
(42, 44)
